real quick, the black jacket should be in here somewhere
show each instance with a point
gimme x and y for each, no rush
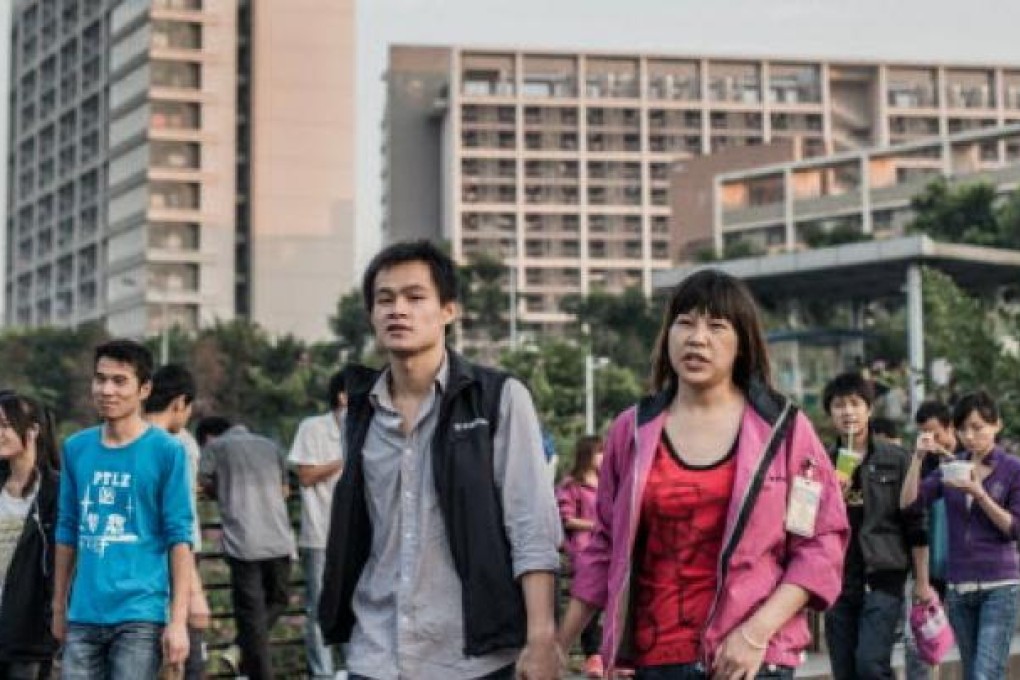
(462, 453)
(887, 533)
(26, 608)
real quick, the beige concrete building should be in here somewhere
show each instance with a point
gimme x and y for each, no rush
(175, 162)
(560, 162)
(783, 207)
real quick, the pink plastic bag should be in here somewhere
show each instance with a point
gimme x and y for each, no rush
(932, 634)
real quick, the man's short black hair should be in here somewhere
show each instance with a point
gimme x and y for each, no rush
(168, 383)
(210, 426)
(848, 385)
(933, 409)
(129, 352)
(338, 384)
(442, 267)
(885, 427)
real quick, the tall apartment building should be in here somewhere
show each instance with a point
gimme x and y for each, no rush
(173, 162)
(559, 162)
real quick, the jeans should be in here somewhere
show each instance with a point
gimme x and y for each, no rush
(983, 623)
(506, 673)
(860, 631)
(695, 671)
(320, 658)
(194, 665)
(259, 592)
(123, 651)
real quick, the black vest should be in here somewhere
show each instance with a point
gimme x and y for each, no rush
(469, 501)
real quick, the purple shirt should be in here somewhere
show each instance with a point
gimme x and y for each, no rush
(978, 550)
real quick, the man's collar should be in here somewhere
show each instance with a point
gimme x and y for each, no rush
(381, 395)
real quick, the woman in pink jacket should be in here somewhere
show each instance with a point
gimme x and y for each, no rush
(719, 520)
(576, 499)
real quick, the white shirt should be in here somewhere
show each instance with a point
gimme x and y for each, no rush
(194, 457)
(13, 511)
(317, 442)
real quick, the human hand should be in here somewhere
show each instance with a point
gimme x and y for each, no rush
(741, 655)
(923, 592)
(175, 643)
(541, 659)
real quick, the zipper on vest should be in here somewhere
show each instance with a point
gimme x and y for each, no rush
(722, 568)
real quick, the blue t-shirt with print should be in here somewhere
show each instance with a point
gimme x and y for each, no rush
(123, 509)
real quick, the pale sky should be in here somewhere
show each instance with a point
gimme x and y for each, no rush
(936, 30)
(930, 30)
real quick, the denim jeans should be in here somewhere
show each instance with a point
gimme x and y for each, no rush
(695, 671)
(983, 623)
(860, 631)
(320, 657)
(505, 673)
(123, 651)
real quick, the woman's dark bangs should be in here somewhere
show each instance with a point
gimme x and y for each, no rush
(710, 294)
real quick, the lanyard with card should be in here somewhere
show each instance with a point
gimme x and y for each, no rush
(805, 497)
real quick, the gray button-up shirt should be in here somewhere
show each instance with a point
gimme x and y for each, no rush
(248, 472)
(407, 604)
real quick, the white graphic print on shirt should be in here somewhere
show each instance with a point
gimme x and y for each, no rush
(107, 512)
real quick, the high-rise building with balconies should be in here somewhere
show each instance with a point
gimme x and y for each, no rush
(560, 162)
(173, 162)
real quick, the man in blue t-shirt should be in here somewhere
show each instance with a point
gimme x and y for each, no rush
(124, 529)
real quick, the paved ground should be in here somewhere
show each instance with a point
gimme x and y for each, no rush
(817, 665)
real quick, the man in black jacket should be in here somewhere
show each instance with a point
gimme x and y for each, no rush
(885, 542)
(444, 528)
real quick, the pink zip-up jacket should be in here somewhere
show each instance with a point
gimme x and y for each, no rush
(758, 554)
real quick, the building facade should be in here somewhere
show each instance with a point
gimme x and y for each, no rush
(138, 194)
(791, 206)
(560, 162)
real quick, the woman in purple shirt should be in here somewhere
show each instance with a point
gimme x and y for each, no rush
(983, 513)
(576, 498)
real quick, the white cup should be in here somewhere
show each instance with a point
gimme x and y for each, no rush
(957, 470)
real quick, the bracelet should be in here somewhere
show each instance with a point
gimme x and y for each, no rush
(757, 645)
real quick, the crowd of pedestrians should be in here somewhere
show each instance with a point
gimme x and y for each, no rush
(697, 535)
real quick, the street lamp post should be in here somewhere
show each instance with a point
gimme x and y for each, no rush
(513, 305)
(591, 364)
(164, 321)
(164, 329)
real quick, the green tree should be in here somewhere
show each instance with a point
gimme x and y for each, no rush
(978, 339)
(53, 365)
(484, 302)
(622, 327)
(554, 372)
(351, 325)
(741, 247)
(967, 213)
(816, 236)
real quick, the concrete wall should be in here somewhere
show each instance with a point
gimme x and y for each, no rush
(413, 158)
(691, 184)
(302, 163)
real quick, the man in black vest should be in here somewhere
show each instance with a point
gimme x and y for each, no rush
(444, 528)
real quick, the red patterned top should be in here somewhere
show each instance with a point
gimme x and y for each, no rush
(683, 517)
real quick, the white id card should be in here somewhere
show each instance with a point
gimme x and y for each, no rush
(803, 510)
